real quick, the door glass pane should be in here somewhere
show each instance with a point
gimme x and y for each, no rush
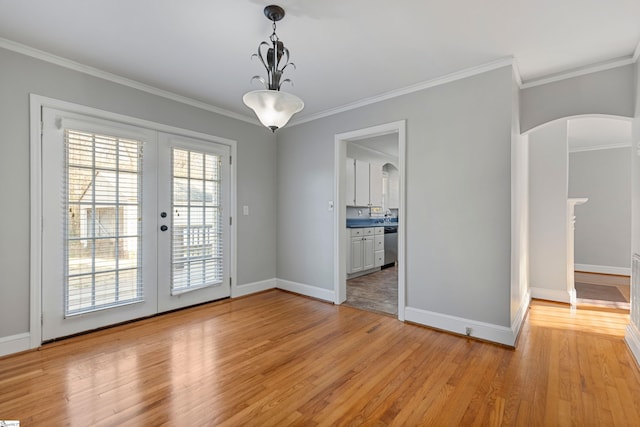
(196, 240)
(103, 231)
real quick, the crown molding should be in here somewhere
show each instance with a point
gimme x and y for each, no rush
(452, 77)
(636, 53)
(516, 73)
(599, 147)
(581, 71)
(95, 72)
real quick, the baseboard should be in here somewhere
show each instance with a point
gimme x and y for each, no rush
(602, 269)
(632, 338)
(15, 344)
(552, 295)
(518, 320)
(307, 290)
(252, 288)
(459, 325)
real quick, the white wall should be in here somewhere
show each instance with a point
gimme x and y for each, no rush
(632, 336)
(605, 92)
(458, 193)
(519, 214)
(548, 188)
(603, 224)
(21, 75)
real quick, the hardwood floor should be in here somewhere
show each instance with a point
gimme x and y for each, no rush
(276, 358)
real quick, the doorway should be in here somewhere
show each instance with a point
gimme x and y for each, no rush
(136, 221)
(372, 214)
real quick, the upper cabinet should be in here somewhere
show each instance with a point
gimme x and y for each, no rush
(391, 179)
(364, 183)
(375, 184)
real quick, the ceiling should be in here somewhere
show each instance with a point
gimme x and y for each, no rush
(592, 133)
(345, 51)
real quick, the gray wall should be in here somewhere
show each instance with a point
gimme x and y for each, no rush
(548, 183)
(458, 188)
(635, 206)
(604, 92)
(21, 75)
(603, 224)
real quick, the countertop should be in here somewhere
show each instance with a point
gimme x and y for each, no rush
(371, 222)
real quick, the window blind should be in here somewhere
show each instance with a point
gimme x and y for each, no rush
(103, 227)
(196, 246)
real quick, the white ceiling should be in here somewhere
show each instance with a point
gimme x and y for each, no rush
(345, 51)
(593, 133)
(383, 144)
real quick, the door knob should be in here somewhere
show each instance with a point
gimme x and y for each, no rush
(163, 214)
(163, 228)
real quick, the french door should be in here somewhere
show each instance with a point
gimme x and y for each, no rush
(133, 222)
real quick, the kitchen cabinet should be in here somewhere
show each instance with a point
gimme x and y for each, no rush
(366, 249)
(363, 183)
(375, 185)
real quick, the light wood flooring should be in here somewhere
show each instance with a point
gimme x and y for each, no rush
(280, 359)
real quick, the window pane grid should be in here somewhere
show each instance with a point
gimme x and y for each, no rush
(103, 231)
(196, 249)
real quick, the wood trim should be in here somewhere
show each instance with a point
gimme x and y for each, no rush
(307, 290)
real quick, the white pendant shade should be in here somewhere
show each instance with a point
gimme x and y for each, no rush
(273, 108)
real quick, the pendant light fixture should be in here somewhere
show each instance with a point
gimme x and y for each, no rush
(273, 107)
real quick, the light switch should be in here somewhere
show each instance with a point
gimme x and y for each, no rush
(245, 210)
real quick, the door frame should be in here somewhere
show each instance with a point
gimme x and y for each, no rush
(340, 214)
(36, 104)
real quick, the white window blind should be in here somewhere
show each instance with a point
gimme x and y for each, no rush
(103, 230)
(197, 246)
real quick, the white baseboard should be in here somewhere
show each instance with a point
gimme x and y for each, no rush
(632, 338)
(252, 288)
(15, 343)
(458, 325)
(552, 295)
(310, 291)
(603, 269)
(518, 319)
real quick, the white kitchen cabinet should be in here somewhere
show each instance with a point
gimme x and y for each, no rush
(362, 183)
(366, 249)
(375, 184)
(357, 183)
(350, 190)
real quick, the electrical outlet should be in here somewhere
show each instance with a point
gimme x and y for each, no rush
(467, 331)
(245, 210)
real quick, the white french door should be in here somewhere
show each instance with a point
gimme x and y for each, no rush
(193, 243)
(133, 222)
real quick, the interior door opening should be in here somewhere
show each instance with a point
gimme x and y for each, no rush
(370, 219)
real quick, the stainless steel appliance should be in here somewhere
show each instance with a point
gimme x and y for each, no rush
(390, 245)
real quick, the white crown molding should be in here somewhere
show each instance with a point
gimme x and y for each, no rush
(516, 73)
(599, 147)
(458, 75)
(95, 72)
(593, 68)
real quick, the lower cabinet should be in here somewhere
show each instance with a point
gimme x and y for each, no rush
(365, 249)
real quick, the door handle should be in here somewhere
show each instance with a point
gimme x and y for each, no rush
(163, 228)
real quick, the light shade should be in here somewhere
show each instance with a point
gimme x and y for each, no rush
(273, 108)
